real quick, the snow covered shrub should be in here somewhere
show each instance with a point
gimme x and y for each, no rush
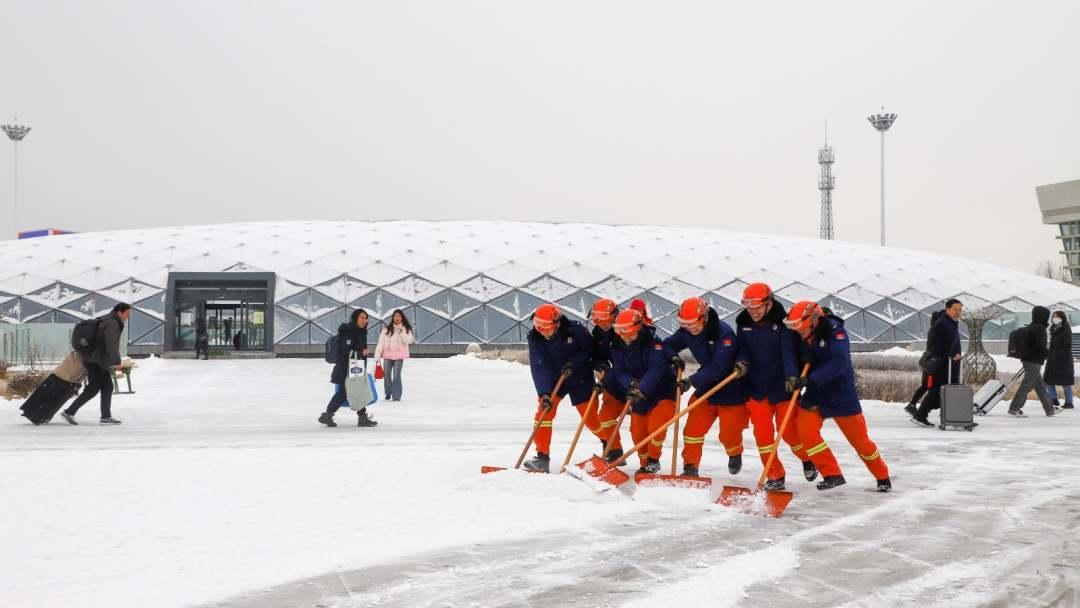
(22, 384)
(881, 362)
(891, 386)
(3, 369)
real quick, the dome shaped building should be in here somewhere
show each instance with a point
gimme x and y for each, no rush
(285, 286)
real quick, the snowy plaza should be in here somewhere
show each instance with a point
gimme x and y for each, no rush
(222, 490)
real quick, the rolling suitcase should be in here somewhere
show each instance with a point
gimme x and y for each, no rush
(991, 394)
(51, 395)
(957, 405)
(47, 399)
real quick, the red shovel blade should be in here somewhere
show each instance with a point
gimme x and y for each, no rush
(770, 503)
(602, 470)
(649, 480)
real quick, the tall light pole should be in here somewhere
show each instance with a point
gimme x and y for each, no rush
(882, 122)
(15, 133)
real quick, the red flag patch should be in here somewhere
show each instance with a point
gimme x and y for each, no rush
(727, 342)
(841, 336)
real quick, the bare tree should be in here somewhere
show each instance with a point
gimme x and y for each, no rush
(1051, 270)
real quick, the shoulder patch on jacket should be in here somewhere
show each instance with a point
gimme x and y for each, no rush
(841, 335)
(727, 342)
(658, 347)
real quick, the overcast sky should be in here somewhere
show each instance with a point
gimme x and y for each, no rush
(687, 113)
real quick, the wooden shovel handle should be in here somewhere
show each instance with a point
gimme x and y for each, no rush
(675, 429)
(702, 399)
(615, 429)
(536, 425)
(581, 425)
(780, 432)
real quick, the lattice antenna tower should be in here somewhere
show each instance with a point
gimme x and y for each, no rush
(826, 183)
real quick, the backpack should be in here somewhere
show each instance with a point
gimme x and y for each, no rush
(333, 348)
(84, 336)
(1018, 343)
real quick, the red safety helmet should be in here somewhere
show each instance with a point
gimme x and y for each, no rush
(628, 324)
(804, 317)
(756, 295)
(604, 311)
(545, 318)
(693, 310)
(639, 305)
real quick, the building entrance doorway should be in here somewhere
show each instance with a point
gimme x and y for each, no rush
(235, 309)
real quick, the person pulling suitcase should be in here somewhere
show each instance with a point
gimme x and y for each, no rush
(101, 355)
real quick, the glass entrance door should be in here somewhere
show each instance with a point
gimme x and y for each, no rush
(234, 314)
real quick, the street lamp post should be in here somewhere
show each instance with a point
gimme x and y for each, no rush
(15, 133)
(882, 122)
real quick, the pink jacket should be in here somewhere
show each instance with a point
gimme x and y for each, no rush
(394, 346)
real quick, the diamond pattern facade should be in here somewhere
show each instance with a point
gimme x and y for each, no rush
(463, 282)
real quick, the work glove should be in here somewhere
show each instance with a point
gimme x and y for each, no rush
(599, 386)
(795, 383)
(545, 402)
(806, 357)
(633, 384)
(678, 363)
(684, 385)
(567, 369)
(741, 369)
(635, 395)
(601, 366)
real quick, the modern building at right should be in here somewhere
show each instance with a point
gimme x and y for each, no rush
(1060, 204)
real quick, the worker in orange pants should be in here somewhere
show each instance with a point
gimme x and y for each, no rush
(715, 347)
(612, 399)
(854, 429)
(772, 349)
(641, 366)
(733, 420)
(560, 354)
(830, 393)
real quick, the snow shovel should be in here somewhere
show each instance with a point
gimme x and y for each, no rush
(595, 461)
(532, 435)
(775, 501)
(581, 425)
(649, 480)
(610, 473)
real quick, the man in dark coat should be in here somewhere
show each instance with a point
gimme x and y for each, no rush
(202, 339)
(1032, 360)
(352, 340)
(100, 363)
(943, 342)
(1059, 360)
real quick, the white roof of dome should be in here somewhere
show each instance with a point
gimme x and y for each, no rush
(484, 260)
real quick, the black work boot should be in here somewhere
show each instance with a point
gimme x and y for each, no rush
(539, 464)
(362, 419)
(809, 471)
(734, 464)
(830, 482)
(774, 484)
(884, 485)
(614, 455)
(690, 470)
(327, 418)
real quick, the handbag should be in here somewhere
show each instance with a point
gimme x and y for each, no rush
(379, 373)
(360, 387)
(929, 363)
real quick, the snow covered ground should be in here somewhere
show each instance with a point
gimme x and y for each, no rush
(220, 489)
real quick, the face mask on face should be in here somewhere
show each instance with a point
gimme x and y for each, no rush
(1056, 320)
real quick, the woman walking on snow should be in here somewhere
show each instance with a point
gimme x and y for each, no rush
(1059, 360)
(352, 340)
(393, 349)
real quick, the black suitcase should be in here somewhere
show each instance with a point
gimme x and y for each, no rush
(48, 398)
